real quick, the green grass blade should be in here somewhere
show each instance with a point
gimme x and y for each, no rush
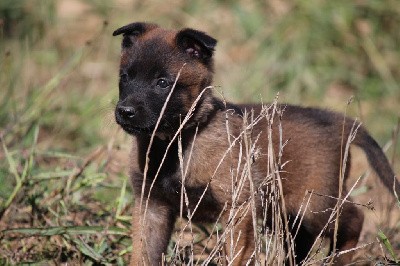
(11, 163)
(52, 175)
(29, 163)
(70, 230)
(121, 198)
(87, 250)
(58, 154)
(18, 185)
(387, 244)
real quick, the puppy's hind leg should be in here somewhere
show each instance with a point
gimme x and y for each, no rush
(240, 245)
(303, 243)
(350, 225)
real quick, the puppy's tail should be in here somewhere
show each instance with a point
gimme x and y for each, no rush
(377, 160)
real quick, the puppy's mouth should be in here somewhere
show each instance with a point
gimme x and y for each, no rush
(144, 127)
(134, 130)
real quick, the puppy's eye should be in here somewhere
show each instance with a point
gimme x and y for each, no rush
(124, 77)
(163, 83)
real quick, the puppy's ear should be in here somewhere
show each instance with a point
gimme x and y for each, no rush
(196, 43)
(133, 30)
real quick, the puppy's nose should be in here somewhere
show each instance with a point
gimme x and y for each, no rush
(126, 112)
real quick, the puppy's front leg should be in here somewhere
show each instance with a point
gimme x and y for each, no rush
(151, 231)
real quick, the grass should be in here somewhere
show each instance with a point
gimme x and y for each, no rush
(63, 162)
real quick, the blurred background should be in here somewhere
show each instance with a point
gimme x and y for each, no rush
(63, 160)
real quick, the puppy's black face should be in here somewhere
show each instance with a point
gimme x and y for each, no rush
(145, 82)
(150, 62)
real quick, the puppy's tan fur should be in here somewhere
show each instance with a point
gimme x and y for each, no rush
(311, 160)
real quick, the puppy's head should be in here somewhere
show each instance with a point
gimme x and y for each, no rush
(151, 59)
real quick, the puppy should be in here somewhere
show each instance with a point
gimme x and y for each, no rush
(199, 142)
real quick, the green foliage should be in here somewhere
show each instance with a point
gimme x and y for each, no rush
(311, 44)
(26, 19)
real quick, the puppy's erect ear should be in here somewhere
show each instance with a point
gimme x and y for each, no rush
(196, 43)
(133, 30)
